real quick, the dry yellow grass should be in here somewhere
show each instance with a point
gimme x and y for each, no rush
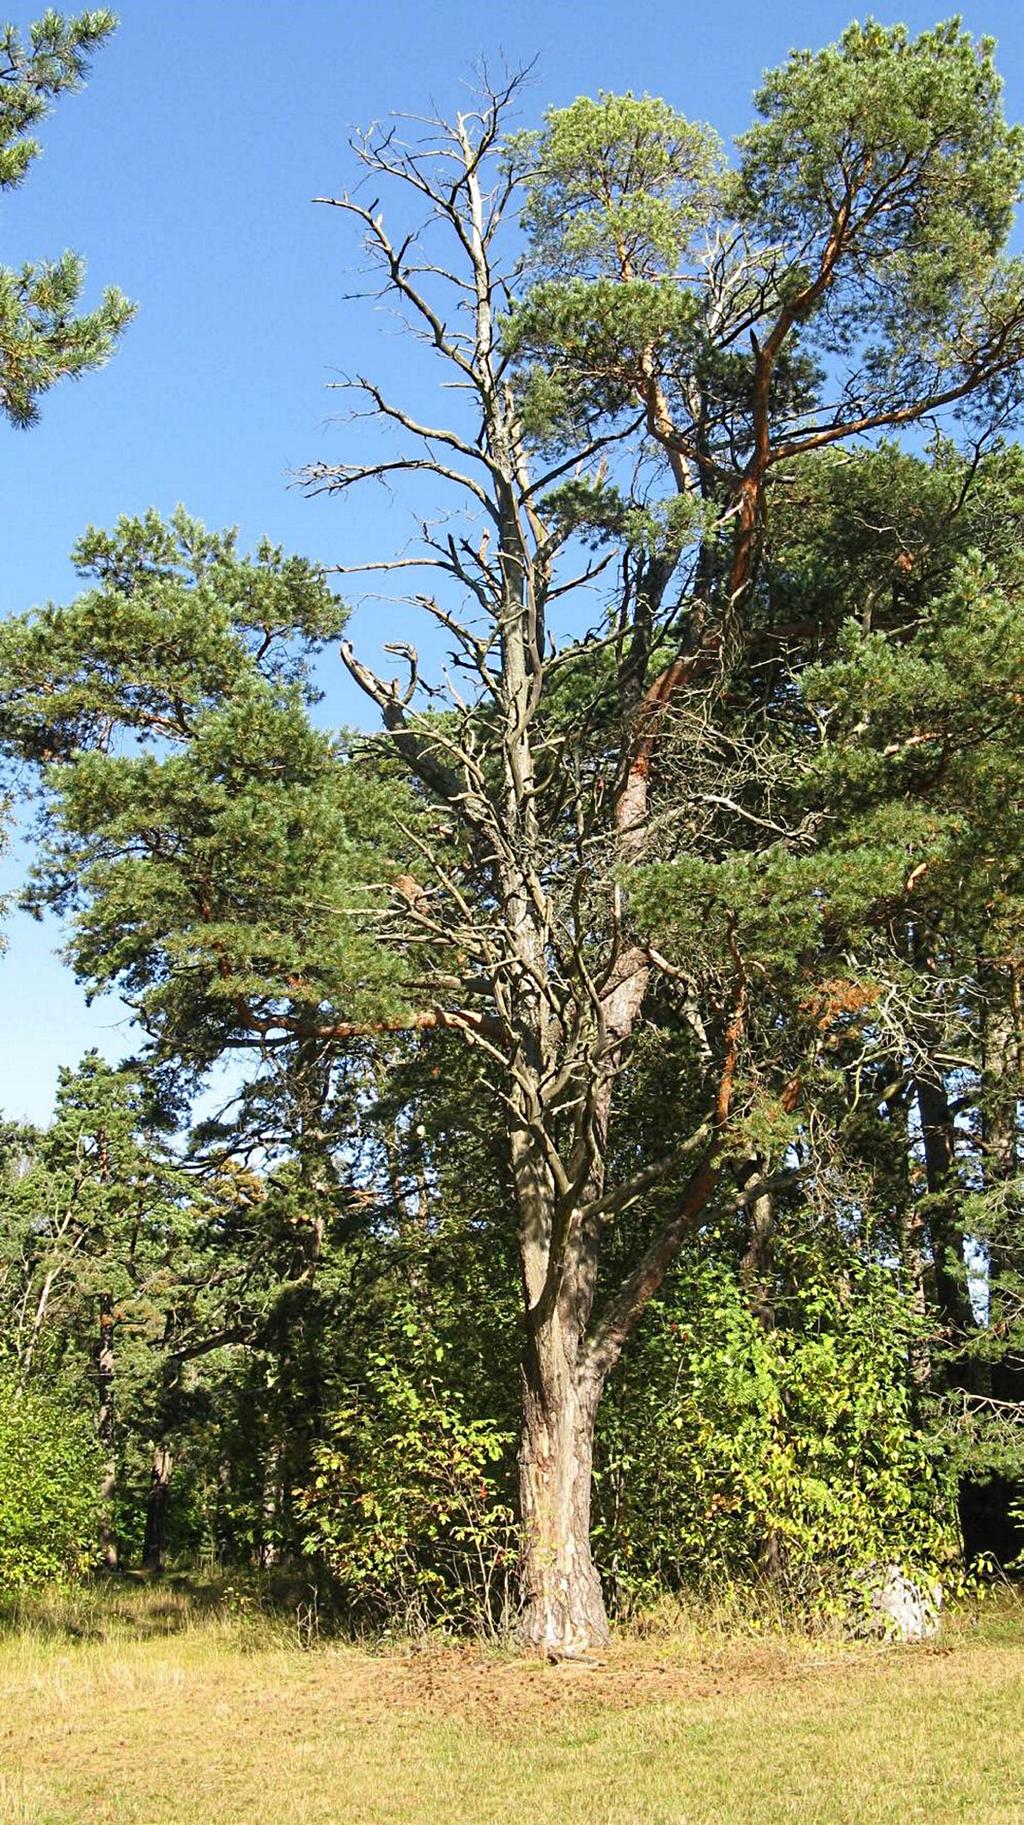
(218, 1724)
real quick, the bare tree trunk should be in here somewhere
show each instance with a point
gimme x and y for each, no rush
(756, 1263)
(912, 1242)
(224, 1527)
(154, 1550)
(756, 1260)
(1001, 1088)
(912, 1260)
(106, 1428)
(564, 1610)
(270, 1505)
(939, 1139)
(35, 1332)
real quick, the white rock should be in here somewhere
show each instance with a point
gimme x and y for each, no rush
(898, 1605)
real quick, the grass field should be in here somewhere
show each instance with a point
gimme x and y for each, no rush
(150, 1711)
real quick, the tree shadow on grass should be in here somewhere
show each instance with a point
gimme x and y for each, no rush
(138, 1606)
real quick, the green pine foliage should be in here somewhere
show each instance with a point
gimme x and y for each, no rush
(316, 1290)
(42, 341)
(217, 853)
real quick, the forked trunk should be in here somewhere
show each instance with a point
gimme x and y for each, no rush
(564, 1612)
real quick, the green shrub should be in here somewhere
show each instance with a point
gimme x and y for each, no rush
(49, 1487)
(729, 1450)
(407, 1506)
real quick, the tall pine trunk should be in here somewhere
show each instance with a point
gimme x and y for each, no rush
(564, 1610)
(106, 1428)
(1001, 1088)
(158, 1505)
(938, 1135)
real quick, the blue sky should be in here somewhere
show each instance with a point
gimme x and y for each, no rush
(185, 172)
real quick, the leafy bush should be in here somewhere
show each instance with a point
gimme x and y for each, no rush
(730, 1450)
(407, 1505)
(49, 1484)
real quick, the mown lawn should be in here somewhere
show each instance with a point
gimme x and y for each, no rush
(170, 1719)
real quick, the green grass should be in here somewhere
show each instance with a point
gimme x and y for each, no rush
(156, 1708)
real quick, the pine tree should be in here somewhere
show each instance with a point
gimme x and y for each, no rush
(596, 844)
(42, 341)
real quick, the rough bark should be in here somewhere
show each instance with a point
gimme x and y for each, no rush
(154, 1551)
(756, 1260)
(913, 1263)
(912, 1240)
(938, 1137)
(270, 1505)
(1001, 1090)
(225, 1521)
(106, 1424)
(564, 1611)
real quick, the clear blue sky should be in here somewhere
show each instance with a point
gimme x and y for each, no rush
(185, 172)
